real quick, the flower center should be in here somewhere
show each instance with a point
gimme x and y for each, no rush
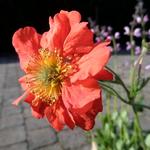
(45, 75)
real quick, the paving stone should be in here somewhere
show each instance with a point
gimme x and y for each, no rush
(20, 72)
(10, 121)
(2, 75)
(56, 146)
(2, 81)
(11, 73)
(19, 146)
(12, 135)
(145, 122)
(70, 139)
(41, 137)
(9, 95)
(10, 110)
(85, 147)
(147, 97)
(33, 123)
(27, 112)
(146, 112)
(1, 97)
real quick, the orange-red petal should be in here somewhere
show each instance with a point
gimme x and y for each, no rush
(81, 93)
(85, 117)
(54, 38)
(22, 81)
(73, 16)
(53, 119)
(58, 116)
(79, 40)
(104, 74)
(92, 63)
(26, 42)
(38, 110)
(19, 99)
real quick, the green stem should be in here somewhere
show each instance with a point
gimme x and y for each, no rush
(132, 44)
(134, 79)
(112, 91)
(114, 45)
(108, 103)
(138, 125)
(119, 80)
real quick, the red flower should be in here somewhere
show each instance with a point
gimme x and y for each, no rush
(62, 67)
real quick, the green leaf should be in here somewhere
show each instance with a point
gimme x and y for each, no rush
(119, 144)
(119, 122)
(114, 115)
(132, 148)
(147, 141)
(124, 116)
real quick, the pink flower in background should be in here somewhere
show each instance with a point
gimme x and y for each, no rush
(93, 30)
(109, 38)
(137, 32)
(146, 19)
(98, 39)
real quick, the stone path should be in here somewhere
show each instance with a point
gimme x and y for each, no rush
(20, 131)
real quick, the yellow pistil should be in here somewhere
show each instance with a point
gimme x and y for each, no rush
(45, 75)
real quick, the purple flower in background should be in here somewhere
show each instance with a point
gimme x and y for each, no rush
(127, 30)
(137, 50)
(137, 32)
(148, 32)
(147, 67)
(98, 39)
(145, 19)
(109, 37)
(128, 46)
(109, 28)
(117, 35)
(105, 34)
(118, 47)
(138, 19)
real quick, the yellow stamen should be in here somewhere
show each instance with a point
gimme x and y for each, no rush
(46, 73)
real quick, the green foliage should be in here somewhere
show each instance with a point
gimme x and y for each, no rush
(118, 133)
(147, 141)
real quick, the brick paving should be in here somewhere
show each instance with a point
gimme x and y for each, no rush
(20, 131)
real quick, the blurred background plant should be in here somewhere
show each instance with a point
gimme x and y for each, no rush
(118, 131)
(138, 29)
